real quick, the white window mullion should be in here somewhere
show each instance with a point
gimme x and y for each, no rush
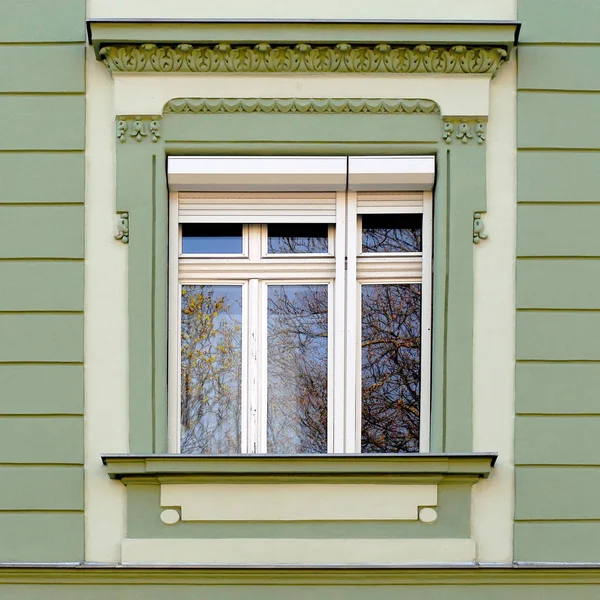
(254, 350)
(426, 322)
(336, 410)
(174, 363)
(352, 422)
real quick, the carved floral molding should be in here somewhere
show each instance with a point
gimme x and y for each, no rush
(301, 105)
(464, 130)
(138, 129)
(303, 58)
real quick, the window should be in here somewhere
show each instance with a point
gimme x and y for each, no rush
(300, 305)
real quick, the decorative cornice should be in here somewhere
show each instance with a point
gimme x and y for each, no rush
(304, 58)
(123, 227)
(464, 129)
(478, 228)
(300, 105)
(138, 128)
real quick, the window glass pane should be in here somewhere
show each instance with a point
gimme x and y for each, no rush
(211, 369)
(307, 238)
(391, 367)
(297, 369)
(212, 238)
(392, 233)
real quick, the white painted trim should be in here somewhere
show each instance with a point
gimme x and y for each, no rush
(426, 321)
(262, 173)
(391, 173)
(298, 501)
(297, 551)
(147, 93)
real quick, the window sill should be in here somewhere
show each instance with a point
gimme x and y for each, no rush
(257, 468)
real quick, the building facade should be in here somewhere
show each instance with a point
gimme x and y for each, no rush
(275, 453)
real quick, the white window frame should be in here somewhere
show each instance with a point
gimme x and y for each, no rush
(344, 270)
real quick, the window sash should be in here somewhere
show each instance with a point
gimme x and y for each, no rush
(344, 273)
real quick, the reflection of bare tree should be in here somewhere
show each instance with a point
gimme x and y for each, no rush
(392, 233)
(211, 359)
(297, 369)
(298, 239)
(391, 367)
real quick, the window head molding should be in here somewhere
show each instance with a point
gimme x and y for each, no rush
(303, 47)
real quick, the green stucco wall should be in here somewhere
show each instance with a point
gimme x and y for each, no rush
(42, 168)
(558, 283)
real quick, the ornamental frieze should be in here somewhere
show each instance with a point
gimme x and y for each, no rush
(304, 58)
(301, 105)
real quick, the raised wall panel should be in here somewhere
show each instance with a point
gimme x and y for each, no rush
(41, 537)
(40, 177)
(560, 230)
(561, 335)
(567, 542)
(41, 488)
(558, 21)
(41, 285)
(558, 120)
(41, 389)
(41, 337)
(43, 21)
(41, 440)
(41, 231)
(558, 176)
(571, 283)
(40, 68)
(569, 493)
(550, 440)
(557, 388)
(43, 122)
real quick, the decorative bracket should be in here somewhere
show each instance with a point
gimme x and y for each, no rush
(123, 227)
(464, 129)
(138, 128)
(478, 228)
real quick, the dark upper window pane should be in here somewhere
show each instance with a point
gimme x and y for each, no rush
(212, 238)
(302, 238)
(392, 233)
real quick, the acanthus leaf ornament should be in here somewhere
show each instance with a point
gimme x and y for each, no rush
(304, 58)
(478, 228)
(122, 227)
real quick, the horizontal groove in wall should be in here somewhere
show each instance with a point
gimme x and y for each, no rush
(556, 415)
(41, 312)
(45, 204)
(44, 94)
(40, 362)
(557, 520)
(582, 44)
(555, 149)
(558, 361)
(543, 203)
(41, 258)
(41, 151)
(54, 511)
(551, 310)
(51, 43)
(553, 91)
